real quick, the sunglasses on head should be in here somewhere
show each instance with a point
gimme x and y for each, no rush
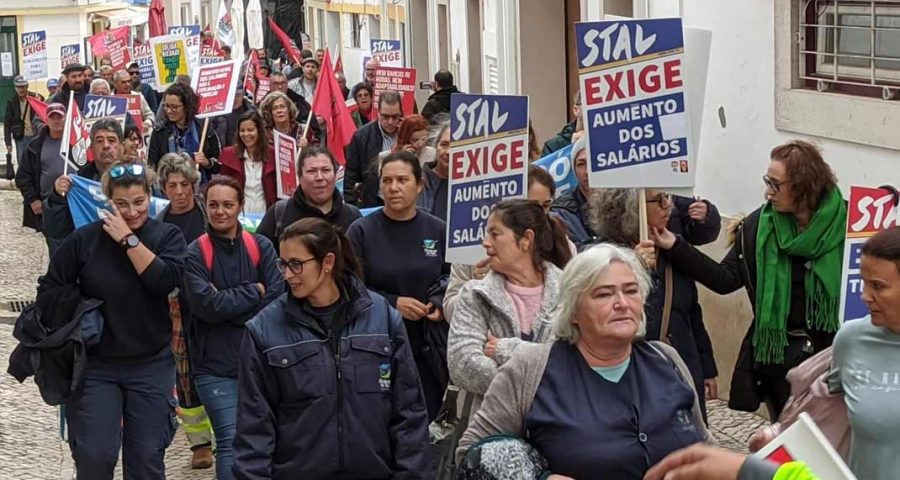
(132, 169)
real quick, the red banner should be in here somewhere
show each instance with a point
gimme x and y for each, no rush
(210, 54)
(286, 164)
(112, 45)
(215, 85)
(400, 80)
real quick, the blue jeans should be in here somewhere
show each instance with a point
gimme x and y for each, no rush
(219, 397)
(123, 404)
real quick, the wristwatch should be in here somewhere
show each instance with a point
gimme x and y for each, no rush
(130, 241)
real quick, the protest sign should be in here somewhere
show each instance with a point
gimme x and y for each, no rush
(134, 110)
(69, 54)
(103, 107)
(86, 200)
(112, 45)
(214, 86)
(869, 211)
(388, 52)
(559, 165)
(488, 163)
(400, 80)
(34, 55)
(170, 59)
(633, 101)
(143, 56)
(263, 86)
(804, 442)
(191, 34)
(209, 55)
(285, 164)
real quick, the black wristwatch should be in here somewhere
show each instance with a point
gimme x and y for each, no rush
(130, 241)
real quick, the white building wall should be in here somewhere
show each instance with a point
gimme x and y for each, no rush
(733, 157)
(61, 30)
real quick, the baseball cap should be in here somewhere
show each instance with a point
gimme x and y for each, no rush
(308, 60)
(20, 81)
(53, 83)
(56, 107)
(74, 67)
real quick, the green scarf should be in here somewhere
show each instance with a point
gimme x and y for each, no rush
(777, 240)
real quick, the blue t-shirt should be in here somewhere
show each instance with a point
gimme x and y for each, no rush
(614, 373)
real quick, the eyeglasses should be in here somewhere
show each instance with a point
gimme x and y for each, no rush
(773, 184)
(395, 118)
(132, 169)
(134, 74)
(169, 106)
(663, 200)
(294, 265)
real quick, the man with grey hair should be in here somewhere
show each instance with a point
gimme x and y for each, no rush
(122, 86)
(99, 86)
(360, 178)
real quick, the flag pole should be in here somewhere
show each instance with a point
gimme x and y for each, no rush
(67, 136)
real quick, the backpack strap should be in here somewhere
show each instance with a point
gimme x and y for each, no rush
(280, 207)
(206, 249)
(252, 247)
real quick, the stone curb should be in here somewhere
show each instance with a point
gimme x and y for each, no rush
(7, 184)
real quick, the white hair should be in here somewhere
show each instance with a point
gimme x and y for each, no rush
(98, 82)
(579, 276)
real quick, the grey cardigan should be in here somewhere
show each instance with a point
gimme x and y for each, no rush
(482, 306)
(509, 398)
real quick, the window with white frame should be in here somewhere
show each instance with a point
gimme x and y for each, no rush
(205, 14)
(850, 47)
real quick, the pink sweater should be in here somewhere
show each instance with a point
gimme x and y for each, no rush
(527, 302)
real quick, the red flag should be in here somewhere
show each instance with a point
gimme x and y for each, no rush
(76, 138)
(39, 107)
(339, 65)
(289, 46)
(157, 18)
(328, 103)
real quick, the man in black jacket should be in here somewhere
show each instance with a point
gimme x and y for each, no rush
(439, 101)
(74, 83)
(317, 197)
(19, 114)
(564, 138)
(40, 166)
(361, 174)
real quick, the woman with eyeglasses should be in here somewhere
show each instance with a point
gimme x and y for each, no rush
(229, 276)
(279, 114)
(130, 262)
(402, 252)
(180, 131)
(327, 384)
(787, 254)
(672, 310)
(365, 108)
(134, 151)
(251, 161)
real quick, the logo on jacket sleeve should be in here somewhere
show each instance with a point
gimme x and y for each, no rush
(430, 247)
(384, 376)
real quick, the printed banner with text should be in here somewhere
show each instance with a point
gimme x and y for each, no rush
(869, 211)
(633, 98)
(191, 34)
(170, 59)
(559, 165)
(286, 164)
(214, 85)
(400, 80)
(389, 53)
(209, 55)
(69, 54)
(112, 45)
(143, 56)
(488, 163)
(34, 55)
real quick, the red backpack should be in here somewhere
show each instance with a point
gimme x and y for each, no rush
(206, 249)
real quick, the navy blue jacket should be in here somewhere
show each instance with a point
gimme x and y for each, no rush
(571, 208)
(220, 302)
(313, 406)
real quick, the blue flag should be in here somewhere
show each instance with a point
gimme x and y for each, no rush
(559, 164)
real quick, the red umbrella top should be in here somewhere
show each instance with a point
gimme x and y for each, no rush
(157, 18)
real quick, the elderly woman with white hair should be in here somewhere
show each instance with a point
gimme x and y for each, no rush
(600, 400)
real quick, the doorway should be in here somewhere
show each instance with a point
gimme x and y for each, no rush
(9, 60)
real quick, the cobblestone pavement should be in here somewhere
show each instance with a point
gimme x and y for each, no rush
(30, 448)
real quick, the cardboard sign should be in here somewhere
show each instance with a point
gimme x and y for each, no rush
(170, 59)
(143, 56)
(803, 441)
(101, 107)
(286, 164)
(389, 53)
(488, 163)
(209, 55)
(134, 110)
(559, 165)
(398, 79)
(214, 86)
(34, 55)
(633, 98)
(869, 211)
(191, 34)
(113, 46)
(69, 54)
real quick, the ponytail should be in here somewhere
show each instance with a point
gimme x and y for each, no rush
(550, 241)
(322, 238)
(560, 253)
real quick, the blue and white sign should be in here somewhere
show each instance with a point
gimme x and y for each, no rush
(633, 99)
(86, 200)
(143, 56)
(192, 34)
(488, 163)
(559, 165)
(34, 55)
(99, 107)
(389, 53)
(69, 54)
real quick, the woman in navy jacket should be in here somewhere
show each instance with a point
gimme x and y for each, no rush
(229, 276)
(328, 388)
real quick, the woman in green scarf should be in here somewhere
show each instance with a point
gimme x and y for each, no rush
(788, 255)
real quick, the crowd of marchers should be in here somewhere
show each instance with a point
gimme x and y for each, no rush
(326, 344)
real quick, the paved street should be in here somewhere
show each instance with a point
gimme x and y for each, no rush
(29, 429)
